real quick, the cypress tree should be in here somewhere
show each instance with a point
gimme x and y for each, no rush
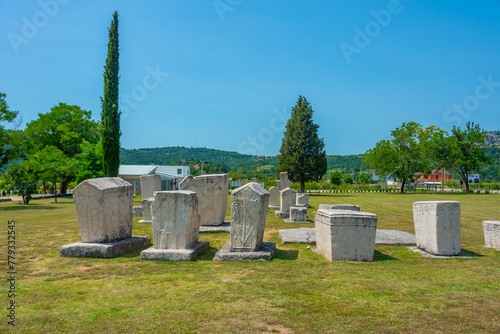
(110, 116)
(302, 152)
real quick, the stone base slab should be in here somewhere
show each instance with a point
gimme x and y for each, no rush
(188, 254)
(145, 221)
(105, 250)
(273, 207)
(425, 254)
(298, 235)
(281, 214)
(265, 253)
(224, 227)
(289, 220)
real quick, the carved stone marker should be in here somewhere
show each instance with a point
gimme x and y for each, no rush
(492, 234)
(150, 184)
(339, 207)
(345, 235)
(287, 201)
(437, 227)
(302, 200)
(147, 216)
(248, 219)
(274, 199)
(104, 212)
(137, 211)
(297, 215)
(212, 193)
(176, 225)
(283, 182)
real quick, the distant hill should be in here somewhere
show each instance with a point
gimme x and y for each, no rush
(493, 138)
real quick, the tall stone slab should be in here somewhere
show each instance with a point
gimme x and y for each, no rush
(104, 212)
(437, 227)
(288, 200)
(274, 199)
(302, 200)
(283, 182)
(491, 231)
(176, 225)
(147, 215)
(340, 207)
(150, 184)
(212, 193)
(248, 219)
(345, 235)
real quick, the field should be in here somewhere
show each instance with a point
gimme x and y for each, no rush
(297, 292)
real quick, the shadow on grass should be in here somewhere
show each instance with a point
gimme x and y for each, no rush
(289, 255)
(379, 256)
(24, 207)
(471, 253)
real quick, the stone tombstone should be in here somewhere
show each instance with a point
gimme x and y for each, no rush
(345, 235)
(287, 201)
(283, 182)
(302, 200)
(150, 184)
(248, 217)
(491, 231)
(437, 227)
(298, 214)
(147, 215)
(339, 207)
(175, 219)
(104, 209)
(274, 199)
(212, 193)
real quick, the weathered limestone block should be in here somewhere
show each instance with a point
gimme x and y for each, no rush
(175, 219)
(302, 200)
(147, 215)
(248, 217)
(212, 193)
(492, 234)
(287, 201)
(437, 227)
(283, 182)
(297, 214)
(339, 207)
(104, 209)
(274, 199)
(150, 184)
(345, 235)
(137, 211)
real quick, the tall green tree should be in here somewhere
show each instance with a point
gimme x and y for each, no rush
(65, 127)
(462, 151)
(336, 178)
(110, 116)
(8, 136)
(302, 152)
(406, 155)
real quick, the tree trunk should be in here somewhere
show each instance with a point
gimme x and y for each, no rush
(403, 186)
(466, 181)
(302, 186)
(64, 186)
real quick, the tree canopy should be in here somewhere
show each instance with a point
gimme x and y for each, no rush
(302, 152)
(8, 138)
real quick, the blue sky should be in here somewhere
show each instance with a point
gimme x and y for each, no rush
(225, 74)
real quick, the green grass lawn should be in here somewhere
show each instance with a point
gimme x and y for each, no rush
(297, 292)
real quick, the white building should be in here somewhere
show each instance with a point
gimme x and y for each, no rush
(171, 176)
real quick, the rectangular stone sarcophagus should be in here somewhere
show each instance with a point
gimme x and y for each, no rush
(176, 223)
(302, 200)
(437, 227)
(104, 209)
(345, 235)
(150, 184)
(212, 192)
(340, 207)
(491, 231)
(248, 217)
